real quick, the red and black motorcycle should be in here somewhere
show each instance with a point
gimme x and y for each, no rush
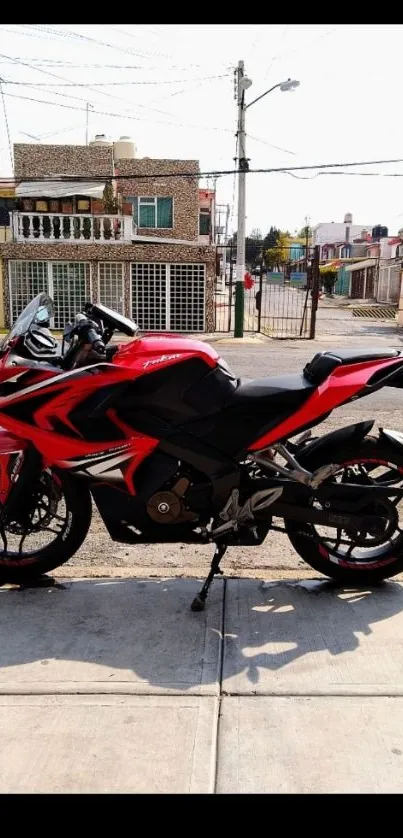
(173, 447)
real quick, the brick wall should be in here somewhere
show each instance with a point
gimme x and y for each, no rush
(98, 252)
(32, 160)
(183, 190)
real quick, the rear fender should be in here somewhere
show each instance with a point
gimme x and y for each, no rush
(395, 437)
(331, 442)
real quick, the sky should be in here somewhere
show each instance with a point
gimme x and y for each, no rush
(170, 87)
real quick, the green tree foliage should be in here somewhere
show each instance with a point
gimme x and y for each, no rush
(275, 249)
(328, 276)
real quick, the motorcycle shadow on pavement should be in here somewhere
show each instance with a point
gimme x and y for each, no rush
(140, 636)
(312, 632)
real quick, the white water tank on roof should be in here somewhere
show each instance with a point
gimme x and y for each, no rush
(100, 141)
(124, 149)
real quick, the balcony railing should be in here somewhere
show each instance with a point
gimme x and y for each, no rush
(58, 227)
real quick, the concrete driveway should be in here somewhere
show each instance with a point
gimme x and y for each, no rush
(116, 686)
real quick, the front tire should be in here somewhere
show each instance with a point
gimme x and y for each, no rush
(335, 553)
(64, 509)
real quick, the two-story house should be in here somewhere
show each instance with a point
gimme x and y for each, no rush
(99, 222)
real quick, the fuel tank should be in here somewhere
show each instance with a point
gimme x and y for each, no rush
(174, 378)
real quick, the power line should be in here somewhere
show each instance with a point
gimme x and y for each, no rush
(116, 83)
(213, 173)
(41, 62)
(88, 87)
(7, 125)
(346, 174)
(119, 115)
(277, 147)
(45, 72)
(78, 36)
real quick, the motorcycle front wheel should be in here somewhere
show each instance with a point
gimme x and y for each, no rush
(59, 521)
(357, 557)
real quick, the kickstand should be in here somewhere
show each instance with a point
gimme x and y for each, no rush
(199, 601)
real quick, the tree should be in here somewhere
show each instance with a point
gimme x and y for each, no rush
(271, 239)
(303, 231)
(276, 249)
(329, 277)
(253, 248)
(256, 234)
(109, 199)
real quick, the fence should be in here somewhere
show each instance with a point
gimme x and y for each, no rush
(281, 301)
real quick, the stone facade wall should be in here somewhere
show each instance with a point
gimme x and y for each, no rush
(126, 253)
(31, 161)
(183, 190)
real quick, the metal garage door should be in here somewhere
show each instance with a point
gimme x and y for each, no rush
(26, 280)
(168, 297)
(69, 289)
(111, 285)
(68, 283)
(389, 283)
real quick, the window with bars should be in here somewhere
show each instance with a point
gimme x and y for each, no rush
(70, 292)
(111, 285)
(27, 279)
(168, 296)
(154, 213)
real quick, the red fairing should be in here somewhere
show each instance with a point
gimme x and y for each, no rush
(343, 383)
(64, 392)
(144, 354)
(10, 451)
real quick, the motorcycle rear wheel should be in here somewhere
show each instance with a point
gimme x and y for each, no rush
(347, 557)
(62, 509)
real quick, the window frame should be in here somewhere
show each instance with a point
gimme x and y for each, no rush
(151, 200)
(205, 213)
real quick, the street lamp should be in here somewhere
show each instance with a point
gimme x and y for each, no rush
(243, 83)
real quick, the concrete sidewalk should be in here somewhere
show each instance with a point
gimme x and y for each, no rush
(116, 686)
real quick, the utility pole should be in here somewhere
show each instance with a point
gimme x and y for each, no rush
(306, 244)
(87, 107)
(242, 83)
(240, 238)
(224, 255)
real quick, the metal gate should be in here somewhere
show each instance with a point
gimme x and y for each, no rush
(281, 302)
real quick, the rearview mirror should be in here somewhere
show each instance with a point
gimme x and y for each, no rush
(42, 315)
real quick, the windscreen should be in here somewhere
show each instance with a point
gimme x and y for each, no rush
(39, 310)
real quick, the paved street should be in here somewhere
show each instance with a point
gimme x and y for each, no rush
(116, 686)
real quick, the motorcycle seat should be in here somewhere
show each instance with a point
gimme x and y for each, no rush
(323, 363)
(276, 391)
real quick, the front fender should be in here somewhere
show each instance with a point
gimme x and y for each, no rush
(334, 440)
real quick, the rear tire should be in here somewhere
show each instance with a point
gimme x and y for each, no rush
(322, 555)
(27, 567)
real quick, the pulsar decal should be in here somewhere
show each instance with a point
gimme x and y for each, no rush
(160, 360)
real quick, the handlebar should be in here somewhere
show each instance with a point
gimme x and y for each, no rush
(85, 329)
